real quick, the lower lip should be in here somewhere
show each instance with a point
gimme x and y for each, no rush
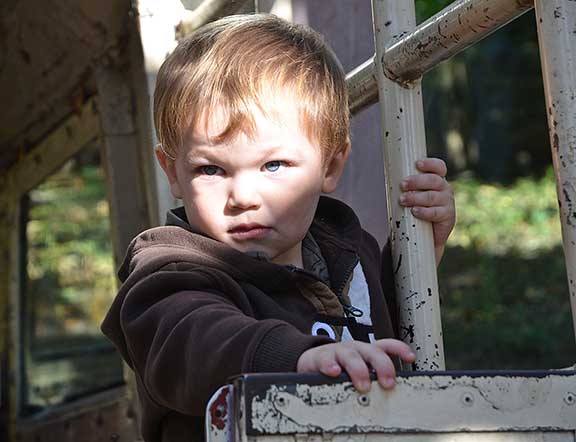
(257, 233)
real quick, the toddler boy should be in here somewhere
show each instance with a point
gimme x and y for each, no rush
(257, 272)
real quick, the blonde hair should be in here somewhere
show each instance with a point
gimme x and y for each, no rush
(241, 62)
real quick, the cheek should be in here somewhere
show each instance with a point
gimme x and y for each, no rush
(296, 207)
(204, 207)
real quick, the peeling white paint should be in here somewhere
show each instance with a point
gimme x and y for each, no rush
(449, 404)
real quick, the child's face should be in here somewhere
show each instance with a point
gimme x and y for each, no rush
(254, 194)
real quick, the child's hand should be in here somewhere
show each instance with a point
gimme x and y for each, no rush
(431, 199)
(356, 358)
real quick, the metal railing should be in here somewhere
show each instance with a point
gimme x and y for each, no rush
(404, 53)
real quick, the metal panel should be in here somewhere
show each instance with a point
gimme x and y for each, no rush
(412, 242)
(415, 52)
(420, 403)
(94, 420)
(556, 21)
(563, 436)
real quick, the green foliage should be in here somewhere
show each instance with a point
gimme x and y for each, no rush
(505, 296)
(427, 8)
(497, 220)
(70, 264)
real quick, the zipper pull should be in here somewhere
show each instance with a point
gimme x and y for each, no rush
(350, 310)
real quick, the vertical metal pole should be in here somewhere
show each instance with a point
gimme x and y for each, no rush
(556, 21)
(412, 241)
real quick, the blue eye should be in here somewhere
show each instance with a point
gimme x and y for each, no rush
(209, 170)
(273, 166)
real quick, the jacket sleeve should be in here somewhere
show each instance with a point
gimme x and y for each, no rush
(184, 344)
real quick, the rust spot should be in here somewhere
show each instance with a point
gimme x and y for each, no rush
(556, 142)
(219, 409)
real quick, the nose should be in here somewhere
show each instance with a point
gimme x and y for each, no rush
(243, 193)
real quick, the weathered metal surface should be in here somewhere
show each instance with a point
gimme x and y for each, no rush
(127, 153)
(427, 403)
(362, 87)
(561, 436)
(220, 416)
(52, 152)
(456, 27)
(411, 239)
(207, 11)
(556, 20)
(411, 53)
(48, 52)
(110, 418)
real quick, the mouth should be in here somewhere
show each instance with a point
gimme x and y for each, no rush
(249, 231)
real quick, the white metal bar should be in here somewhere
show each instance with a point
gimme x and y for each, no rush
(124, 152)
(411, 239)
(207, 11)
(442, 403)
(362, 86)
(412, 53)
(556, 20)
(456, 27)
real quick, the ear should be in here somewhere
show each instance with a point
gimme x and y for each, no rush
(335, 167)
(169, 169)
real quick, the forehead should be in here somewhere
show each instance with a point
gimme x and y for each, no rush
(269, 122)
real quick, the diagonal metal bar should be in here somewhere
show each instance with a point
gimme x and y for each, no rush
(411, 54)
(207, 11)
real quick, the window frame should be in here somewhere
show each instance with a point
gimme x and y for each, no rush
(30, 171)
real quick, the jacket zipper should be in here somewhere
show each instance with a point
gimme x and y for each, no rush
(349, 310)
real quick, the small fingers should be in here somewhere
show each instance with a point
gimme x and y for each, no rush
(382, 364)
(432, 165)
(434, 214)
(426, 198)
(397, 348)
(328, 365)
(424, 181)
(355, 365)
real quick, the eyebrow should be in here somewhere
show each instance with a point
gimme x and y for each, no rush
(208, 152)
